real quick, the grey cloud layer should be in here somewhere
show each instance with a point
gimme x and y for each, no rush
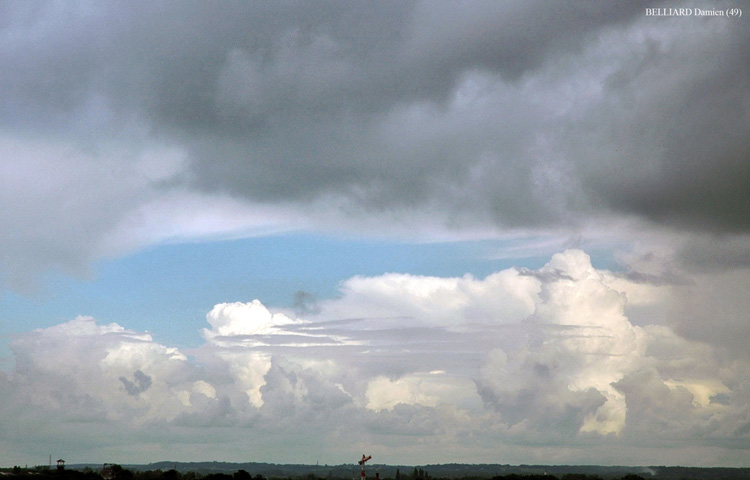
(526, 114)
(512, 114)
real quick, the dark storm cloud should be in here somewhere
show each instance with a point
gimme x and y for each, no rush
(667, 278)
(294, 100)
(711, 252)
(513, 114)
(332, 107)
(672, 144)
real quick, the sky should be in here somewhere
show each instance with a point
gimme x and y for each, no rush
(431, 232)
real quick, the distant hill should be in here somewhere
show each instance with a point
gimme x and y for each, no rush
(441, 471)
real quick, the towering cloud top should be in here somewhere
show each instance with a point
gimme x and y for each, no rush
(573, 368)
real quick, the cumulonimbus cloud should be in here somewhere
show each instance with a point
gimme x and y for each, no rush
(569, 363)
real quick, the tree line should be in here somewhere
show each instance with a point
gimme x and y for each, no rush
(117, 472)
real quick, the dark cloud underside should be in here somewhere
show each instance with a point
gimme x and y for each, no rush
(363, 102)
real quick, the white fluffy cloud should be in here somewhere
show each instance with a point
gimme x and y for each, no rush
(82, 370)
(503, 297)
(236, 320)
(580, 342)
(558, 359)
(426, 389)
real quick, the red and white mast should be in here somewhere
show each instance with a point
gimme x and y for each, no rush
(362, 462)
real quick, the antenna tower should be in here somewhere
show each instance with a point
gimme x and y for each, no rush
(362, 462)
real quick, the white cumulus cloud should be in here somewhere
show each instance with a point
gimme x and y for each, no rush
(518, 357)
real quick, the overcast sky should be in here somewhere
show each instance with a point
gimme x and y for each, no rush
(487, 232)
